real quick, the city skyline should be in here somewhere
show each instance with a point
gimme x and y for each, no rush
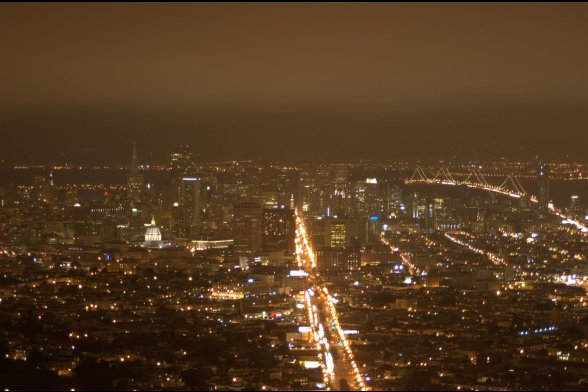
(294, 196)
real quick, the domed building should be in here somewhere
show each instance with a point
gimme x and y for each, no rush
(152, 234)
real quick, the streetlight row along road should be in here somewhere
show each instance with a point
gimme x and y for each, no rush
(340, 372)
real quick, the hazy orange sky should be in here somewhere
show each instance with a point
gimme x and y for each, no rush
(293, 80)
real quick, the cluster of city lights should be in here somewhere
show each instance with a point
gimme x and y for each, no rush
(538, 330)
(569, 221)
(316, 294)
(331, 301)
(491, 256)
(405, 257)
(420, 177)
(305, 256)
(322, 345)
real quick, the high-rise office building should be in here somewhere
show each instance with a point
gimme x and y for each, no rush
(135, 179)
(181, 160)
(247, 227)
(331, 232)
(345, 259)
(186, 210)
(392, 197)
(575, 207)
(430, 216)
(543, 178)
(414, 205)
(318, 233)
(337, 231)
(177, 222)
(278, 226)
(100, 221)
(190, 204)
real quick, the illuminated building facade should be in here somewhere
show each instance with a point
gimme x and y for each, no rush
(337, 232)
(278, 226)
(575, 207)
(181, 160)
(414, 205)
(98, 221)
(152, 234)
(186, 208)
(338, 258)
(430, 216)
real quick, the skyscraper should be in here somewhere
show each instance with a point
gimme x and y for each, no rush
(430, 217)
(181, 160)
(135, 179)
(278, 226)
(391, 197)
(247, 229)
(414, 204)
(337, 232)
(190, 204)
(575, 207)
(543, 178)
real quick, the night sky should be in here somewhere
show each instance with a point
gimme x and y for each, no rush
(293, 81)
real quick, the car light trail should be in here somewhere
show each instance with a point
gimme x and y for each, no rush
(491, 256)
(404, 257)
(328, 336)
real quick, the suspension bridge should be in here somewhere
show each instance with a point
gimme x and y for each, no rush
(511, 185)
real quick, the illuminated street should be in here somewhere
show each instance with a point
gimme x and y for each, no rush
(452, 236)
(405, 257)
(340, 371)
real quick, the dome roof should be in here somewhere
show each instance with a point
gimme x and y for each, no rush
(153, 234)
